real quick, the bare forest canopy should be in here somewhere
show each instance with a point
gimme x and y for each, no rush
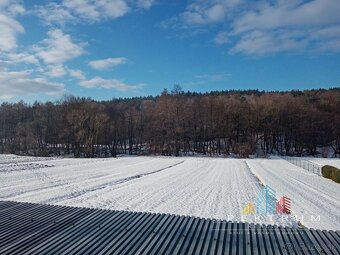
(238, 123)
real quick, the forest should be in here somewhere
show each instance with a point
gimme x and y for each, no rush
(175, 123)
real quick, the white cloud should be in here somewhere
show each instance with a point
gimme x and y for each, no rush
(82, 10)
(222, 38)
(102, 64)
(56, 71)
(260, 43)
(22, 83)
(10, 28)
(328, 32)
(95, 10)
(213, 77)
(288, 26)
(266, 26)
(289, 13)
(58, 48)
(145, 4)
(202, 13)
(76, 74)
(89, 11)
(16, 8)
(16, 58)
(53, 13)
(4, 3)
(15, 5)
(198, 15)
(108, 84)
(204, 79)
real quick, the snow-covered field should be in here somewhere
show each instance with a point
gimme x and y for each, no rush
(311, 195)
(204, 187)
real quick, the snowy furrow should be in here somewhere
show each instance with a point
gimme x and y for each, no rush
(71, 177)
(211, 188)
(203, 187)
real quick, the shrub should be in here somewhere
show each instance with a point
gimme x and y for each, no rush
(331, 172)
(336, 176)
(327, 171)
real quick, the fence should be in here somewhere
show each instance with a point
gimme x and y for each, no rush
(305, 164)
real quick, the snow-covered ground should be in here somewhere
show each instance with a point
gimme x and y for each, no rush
(311, 195)
(203, 187)
(324, 161)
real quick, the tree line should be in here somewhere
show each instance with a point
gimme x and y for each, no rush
(236, 123)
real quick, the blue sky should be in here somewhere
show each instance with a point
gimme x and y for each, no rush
(124, 48)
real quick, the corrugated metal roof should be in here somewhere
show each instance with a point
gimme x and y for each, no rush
(27, 228)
